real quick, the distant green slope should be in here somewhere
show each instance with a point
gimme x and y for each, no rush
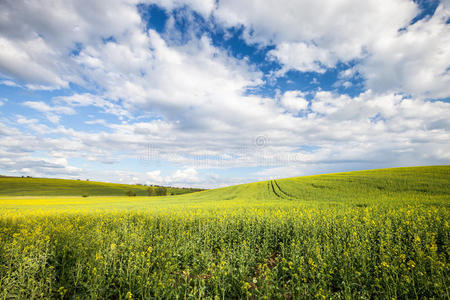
(395, 184)
(354, 188)
(376, 234)
(17, 186)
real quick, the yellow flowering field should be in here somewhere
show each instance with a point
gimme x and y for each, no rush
(370, 234)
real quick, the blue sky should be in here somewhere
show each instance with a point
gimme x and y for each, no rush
(212, 93)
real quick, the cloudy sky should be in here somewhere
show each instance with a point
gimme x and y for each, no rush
(209, 93)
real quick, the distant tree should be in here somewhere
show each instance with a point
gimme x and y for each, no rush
(150, 191)
(131, 193)
(161, 191)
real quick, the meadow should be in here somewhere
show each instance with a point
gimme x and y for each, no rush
(367, 234)
(28, 186)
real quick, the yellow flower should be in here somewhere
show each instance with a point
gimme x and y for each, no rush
(433, 247)
(411, 264)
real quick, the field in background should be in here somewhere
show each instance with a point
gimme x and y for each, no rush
(369, 234)
(19, 186)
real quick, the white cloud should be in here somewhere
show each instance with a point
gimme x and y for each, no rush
(37, 38)
(97, 121)
(154, 177)
(338, 125)
(51, 112)
(180, 177)
(415, 60)
(303, 57)
(191, 98)
(83, 100)
(43, 107)
(294, 101)
(347, 84)
(188, 175)
(8, 83)
(345, 133)
(16, 152)
(204, 7)
(32, 124)
(340, 28)
(315, 36)
(31, 61)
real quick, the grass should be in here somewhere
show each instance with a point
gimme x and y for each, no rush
(368, 234)
(18, 186)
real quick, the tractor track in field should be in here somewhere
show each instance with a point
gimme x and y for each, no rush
(284, 192)
(280, 193)
(273, 189)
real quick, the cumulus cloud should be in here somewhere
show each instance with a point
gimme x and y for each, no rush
(335, 28)
(186, 176)
(38, 38)
(302, 57)
(52, 112)
(43, 107)
(363, 131)
(415, 60)
(86, 99)
(190, 101)
(294, 101)
(8, 83)
(204, 7)
(314, 37)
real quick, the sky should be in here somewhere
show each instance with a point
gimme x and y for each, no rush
(207, 93)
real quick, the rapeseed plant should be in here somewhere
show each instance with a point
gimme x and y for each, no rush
(394, 245)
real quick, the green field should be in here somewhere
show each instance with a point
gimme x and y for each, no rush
(367, 234)
(19, 186)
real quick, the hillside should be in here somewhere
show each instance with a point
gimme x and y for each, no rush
(17, 186)
(397, 186)
(396, 183)
(377, 234)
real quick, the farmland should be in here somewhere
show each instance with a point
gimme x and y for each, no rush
(367, 234)
(19, 186)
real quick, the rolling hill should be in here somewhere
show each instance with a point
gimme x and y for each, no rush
(19, 186)
(400, 186)
(376, 234)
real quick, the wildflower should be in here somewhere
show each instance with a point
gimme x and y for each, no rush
(433, 247)
(246, 286)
